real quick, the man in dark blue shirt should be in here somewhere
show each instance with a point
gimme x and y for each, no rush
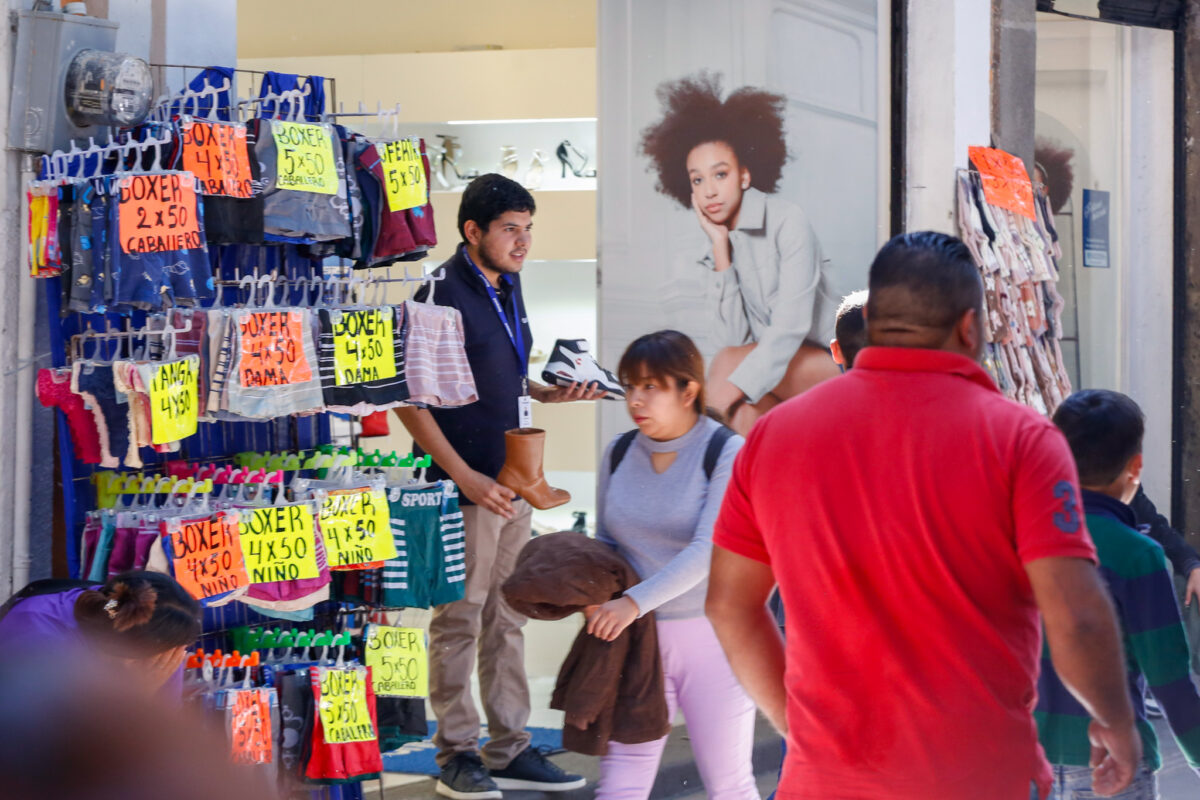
(482, 281)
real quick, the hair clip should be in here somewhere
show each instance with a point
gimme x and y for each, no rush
(111, 608)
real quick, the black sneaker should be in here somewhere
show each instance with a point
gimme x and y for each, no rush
(531, 770)
(570, 362)
(465, 778)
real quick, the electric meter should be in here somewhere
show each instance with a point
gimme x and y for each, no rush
(103, 88)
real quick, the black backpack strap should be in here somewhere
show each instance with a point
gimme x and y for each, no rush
(716, 443)
(620, 448)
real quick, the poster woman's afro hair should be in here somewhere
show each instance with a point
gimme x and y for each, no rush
(750, 121)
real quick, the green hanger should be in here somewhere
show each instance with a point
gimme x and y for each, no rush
(251, 639)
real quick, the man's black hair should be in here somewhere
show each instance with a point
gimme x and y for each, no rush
(923, 279)
(1104, 430)
(488, 197)
(850, 330)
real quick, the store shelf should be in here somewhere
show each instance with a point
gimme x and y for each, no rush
(536, 192)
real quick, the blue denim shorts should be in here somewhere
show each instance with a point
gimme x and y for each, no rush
(1075, 783)
(151, 281)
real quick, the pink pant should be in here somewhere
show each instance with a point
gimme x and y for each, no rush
(719, 716)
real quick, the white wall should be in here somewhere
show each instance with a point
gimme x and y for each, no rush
(137, 24)
(201, 34)
(435, 87)
(949, 103)
(1148, 283)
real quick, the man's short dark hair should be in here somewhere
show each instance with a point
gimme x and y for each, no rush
(488, 197)
(850, 330)
(925, 280)
(1104, 430)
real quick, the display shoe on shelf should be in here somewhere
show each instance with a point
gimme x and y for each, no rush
(537, 168)
(437, 158)
(570, 362)
(522, 471)
(568, 154)
(451, 153)
(509, 161)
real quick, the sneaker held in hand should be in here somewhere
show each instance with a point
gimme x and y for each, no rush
(570, 362)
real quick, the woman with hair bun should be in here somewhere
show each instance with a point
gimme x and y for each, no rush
(143, 620)
(767, 289)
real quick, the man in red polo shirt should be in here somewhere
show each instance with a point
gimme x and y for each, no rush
(916, 522)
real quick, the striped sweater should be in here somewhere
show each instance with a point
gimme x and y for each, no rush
(1156, 650)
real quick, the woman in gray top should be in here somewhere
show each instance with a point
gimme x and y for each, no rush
(659, 496)
(767, 288)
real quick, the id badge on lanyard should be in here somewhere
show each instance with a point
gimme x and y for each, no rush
(517, 338)
(525, 409)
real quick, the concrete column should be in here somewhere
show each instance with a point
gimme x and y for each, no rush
(1014, 64)
(12, 322)
(1186, 420)
(948, 67)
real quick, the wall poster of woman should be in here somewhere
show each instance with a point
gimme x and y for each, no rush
(744, 189)
(766, 281)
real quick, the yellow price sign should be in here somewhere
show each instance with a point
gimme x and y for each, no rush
(305, 160)
(279, 543)
(357, 527)
(344, 713)
(399, 661)
(174, 410)
(363, 348)
(403, 174)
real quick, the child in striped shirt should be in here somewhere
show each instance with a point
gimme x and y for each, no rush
(1104, 430)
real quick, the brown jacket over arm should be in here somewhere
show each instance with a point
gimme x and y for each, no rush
(610, 691)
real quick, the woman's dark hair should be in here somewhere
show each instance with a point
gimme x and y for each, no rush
(750, 121)
(665, 355)
(139, 614)
(1055, 163)
(488, 197)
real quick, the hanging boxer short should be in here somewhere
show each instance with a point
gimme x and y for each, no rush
(436, 366)
(344, 389)
(430, 567)
(349, 762)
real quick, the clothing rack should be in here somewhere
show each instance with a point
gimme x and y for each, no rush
(253, 271)
(213, 442)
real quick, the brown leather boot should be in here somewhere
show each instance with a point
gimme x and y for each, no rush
(522, 470)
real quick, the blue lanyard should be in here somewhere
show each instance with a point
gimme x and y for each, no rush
(517, 336)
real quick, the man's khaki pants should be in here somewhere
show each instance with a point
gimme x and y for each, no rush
(482, 622)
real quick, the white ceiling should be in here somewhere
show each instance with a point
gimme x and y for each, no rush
(283, 28)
